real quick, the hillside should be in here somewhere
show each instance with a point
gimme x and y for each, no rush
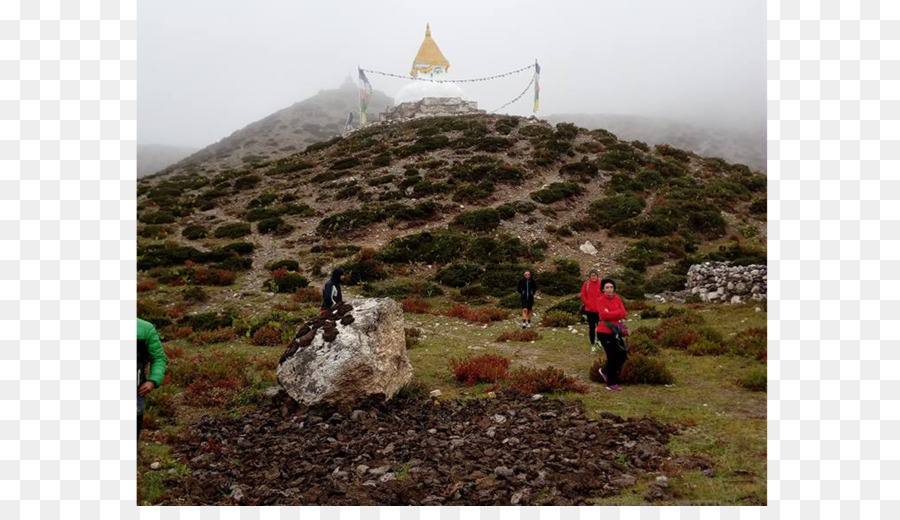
(496, 191)
(154, 157)
(742, 147)
(289, 130)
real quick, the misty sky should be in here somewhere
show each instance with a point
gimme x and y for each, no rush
(209, 67)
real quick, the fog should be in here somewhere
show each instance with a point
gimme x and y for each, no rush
(209, 67)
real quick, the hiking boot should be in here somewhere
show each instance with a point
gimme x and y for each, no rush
(609, 388)
(524, 326)
(616, 387)
(600, 370)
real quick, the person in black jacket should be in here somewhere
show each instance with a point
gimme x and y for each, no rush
(527, 288)
(331, 291)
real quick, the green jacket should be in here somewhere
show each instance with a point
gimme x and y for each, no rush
(150, 350)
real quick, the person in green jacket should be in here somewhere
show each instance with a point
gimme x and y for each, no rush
(149, 350)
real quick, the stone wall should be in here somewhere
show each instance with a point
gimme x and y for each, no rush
(723, 282)
(430, 107)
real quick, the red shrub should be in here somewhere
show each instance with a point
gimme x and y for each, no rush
(486, 368)
(519, 335)
(289, 307)
(208, 337)
(213, 276)
(530, 381)
(146, 285)
(176, 312)
(751, 343)
(308, 294)
(266, 337)
(481, 315)
(173, 352)
(416, 305)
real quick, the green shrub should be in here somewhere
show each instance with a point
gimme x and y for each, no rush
(459, 275)
(556, 192)
(290, 166)
(290, 265)
(558, 319)
(665, 281)
(157, 217)
(471, 193)
(283, 281)
(481, 220)
(234, 230)
(382, 159)
(511, 301)
(366, 267)
(754, 379)
(493, 144)
(568, 305)
(275, 225)
(194, 232)
(154, 231)
(339, 224)
(260, 214)
(383, 179)
(674, 153)
(616, 208)
(759, 207)
(499, 279)
(645, 370)
(565, 279)
(503, 249)
(432, 247)
(266, 199)
(583, 170)
(412, 391)
(705, 347)
(630, 285)
(207, 321)
(346, 163)
(402, 290)
(506, 211)
(246, 182)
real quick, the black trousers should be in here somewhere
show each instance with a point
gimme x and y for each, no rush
(615, 357)
(593, 319)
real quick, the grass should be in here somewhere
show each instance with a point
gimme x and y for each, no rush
(719, 419)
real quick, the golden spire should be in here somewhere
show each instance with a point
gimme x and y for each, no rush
(429, 59)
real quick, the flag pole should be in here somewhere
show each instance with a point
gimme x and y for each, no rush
(359, 95)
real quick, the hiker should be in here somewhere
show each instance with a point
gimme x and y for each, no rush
(611, 333)
(331, 291)
(149, 350)
(590, 294)
(527, 288)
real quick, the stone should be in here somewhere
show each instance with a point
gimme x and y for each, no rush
(503, 471)
(735, 299)
(381, 470)
(588, 248)
(357, 415)
(537, 397)
(155, 466)
(367, 358)
(491, 395)
(499, 419)
(435, 393)
(361, 469)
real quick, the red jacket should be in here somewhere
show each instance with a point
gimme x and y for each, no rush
(610, 310)
(590, 295)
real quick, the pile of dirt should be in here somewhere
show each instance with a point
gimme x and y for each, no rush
(472, 452)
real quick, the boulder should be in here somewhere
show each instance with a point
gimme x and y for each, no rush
(339, 362)
(588, 248)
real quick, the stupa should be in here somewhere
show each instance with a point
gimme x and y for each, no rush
(430, 98)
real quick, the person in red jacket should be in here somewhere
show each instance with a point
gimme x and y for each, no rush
(590, 295)
(609, 333)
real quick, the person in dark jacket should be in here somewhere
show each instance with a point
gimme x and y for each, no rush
(590, 293)
(331, 291)
(149, 351)
(610, 333)
(527, 288)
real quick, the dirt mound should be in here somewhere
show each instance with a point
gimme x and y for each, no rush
(474, 452)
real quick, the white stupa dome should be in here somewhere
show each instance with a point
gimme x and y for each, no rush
(417, 90)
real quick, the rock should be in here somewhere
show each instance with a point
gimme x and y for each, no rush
(155, 466)
(357, 415)
(381, 470)
(499, 419)
(503, 471)
(366, 359)
(537, 397)
(361, 469)
(623, 481)
(491, 395)
(435, 393)
(237, 493)
(735, 299)
(588, 248)
(272, 391)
